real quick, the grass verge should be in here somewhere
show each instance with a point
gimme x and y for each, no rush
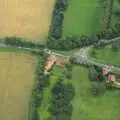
(106, 55)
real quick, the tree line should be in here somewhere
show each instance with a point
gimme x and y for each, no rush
(41, 82)
(61, 107)
(98, 81)
(57, 19)
(17, 41)
(71, 42)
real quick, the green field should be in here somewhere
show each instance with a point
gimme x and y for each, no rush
(43, 111)
(82, 17)
(116, 6)
(106, 55)
(87, 107)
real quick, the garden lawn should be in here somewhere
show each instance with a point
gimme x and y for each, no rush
(82, 17)
(106, 55)
(88, 107)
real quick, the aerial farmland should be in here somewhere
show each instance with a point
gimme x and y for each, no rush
(60, 60)
(25, 18)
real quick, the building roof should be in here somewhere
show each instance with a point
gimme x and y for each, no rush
(111, 77)
(51, 60)
(60, 62)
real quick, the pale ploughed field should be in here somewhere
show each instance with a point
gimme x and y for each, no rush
(16, 83)
(25, 18)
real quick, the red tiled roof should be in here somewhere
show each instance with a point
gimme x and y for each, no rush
(111, 77)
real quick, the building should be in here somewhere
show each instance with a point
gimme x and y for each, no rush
(50, 62)
(60, 62)
(112, 77)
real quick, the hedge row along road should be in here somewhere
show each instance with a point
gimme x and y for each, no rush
(81, 56)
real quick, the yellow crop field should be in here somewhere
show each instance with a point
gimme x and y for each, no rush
(25, 18)
(16, 83)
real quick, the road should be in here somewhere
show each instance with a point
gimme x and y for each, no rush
(81, 56)
(110, 41)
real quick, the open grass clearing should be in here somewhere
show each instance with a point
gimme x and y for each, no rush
(82, 17)
(16, 83)
(87, 107)
(29, 19)
(47, 94)
(106, 55)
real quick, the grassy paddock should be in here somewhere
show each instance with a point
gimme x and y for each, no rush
(87, 107)
(82, 17)
(106, 55)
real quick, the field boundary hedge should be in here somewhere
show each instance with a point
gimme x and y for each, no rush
(41, 82)
(55, 30)
(19, 42)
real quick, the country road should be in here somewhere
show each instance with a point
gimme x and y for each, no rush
(81, 56)
(80, 59)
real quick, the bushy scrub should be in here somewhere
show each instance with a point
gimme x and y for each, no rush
(61, 106)
(98, 85)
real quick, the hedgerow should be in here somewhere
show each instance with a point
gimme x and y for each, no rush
(57, 19)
